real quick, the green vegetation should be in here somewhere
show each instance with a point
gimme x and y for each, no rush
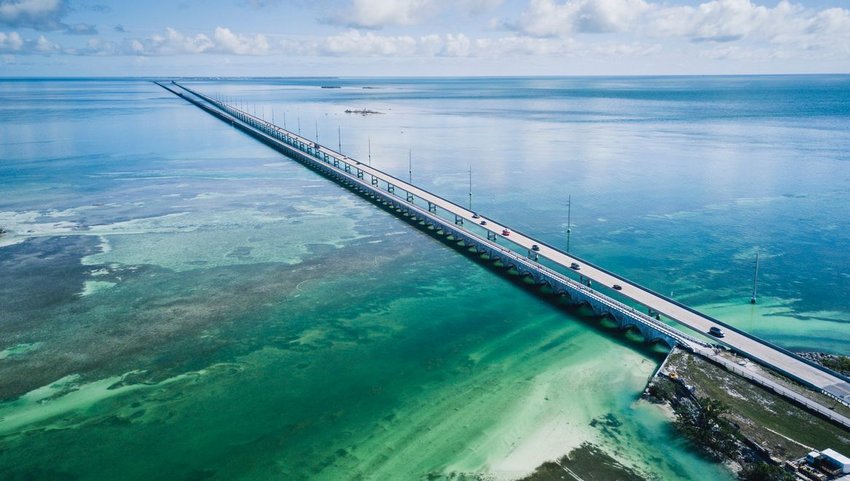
(704, 424)
(783, 428)
(764, 472)
(662, 389)
(586, 462)
(836, 363)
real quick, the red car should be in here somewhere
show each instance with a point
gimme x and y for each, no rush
(506, 232)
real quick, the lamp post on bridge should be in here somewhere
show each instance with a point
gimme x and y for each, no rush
(470, 186)
(755, 279)
(569, 220)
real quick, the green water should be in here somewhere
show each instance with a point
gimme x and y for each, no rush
(266, 371)
(179, 302)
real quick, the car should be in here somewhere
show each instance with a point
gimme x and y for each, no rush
(483, 222)
(535, 247)
(575, 266)
(716, 331)
(506, 232)
(618, 287)
(475, 216)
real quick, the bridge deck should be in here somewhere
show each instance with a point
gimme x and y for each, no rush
(740, 341)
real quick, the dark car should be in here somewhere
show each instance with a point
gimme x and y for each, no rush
(618, 287)
(575, 266)
(483, 222)
(535, 247)
(506, 232)
(475, 216)
(716, 331)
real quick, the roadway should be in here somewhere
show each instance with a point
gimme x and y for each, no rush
(748, 345)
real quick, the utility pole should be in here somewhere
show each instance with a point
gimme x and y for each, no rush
(284, 119)
(410, 166)
(470, 186)
(755, 279)
(569, 219)
(339, 137)
(370, 151)
(299, 125)
(317, 131)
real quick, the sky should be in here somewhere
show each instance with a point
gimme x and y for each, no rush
(422, 37)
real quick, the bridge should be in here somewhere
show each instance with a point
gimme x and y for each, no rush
(567, 275)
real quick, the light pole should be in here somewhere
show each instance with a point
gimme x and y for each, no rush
(755, 279)
(569, 220)
(470, 187)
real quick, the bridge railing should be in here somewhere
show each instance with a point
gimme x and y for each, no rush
(307, 147)
(610, 303)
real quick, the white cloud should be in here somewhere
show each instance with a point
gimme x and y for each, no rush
(352, 43)
(710, 21)
(726, 20)
(378, 13)
(382, 13)
(172, 42)
(36, 14)
(10, 42)
(547, 18)
(228, 42)
(14, 43)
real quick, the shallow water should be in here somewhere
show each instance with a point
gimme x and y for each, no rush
(185, 303)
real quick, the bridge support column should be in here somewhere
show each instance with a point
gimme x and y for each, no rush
(409, 197)
(348, 168)
(390, 187)
(491, 235)
(374, 180)
(359, 174)
(432, 207)
(458, 220)
(336, 162)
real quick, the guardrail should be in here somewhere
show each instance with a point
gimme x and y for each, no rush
(309, 149)
(778, 389)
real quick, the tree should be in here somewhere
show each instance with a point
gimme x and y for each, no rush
(703, 423)
(662, 389)
(764, 472)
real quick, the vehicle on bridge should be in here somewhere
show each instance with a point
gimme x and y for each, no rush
(716, 331)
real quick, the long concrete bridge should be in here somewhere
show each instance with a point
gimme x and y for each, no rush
(565, 274)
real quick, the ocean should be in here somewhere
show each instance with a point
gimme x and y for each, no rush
(182, 302)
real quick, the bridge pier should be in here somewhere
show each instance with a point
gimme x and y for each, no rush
(563, 286)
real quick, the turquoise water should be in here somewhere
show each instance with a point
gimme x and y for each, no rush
(181, 302)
